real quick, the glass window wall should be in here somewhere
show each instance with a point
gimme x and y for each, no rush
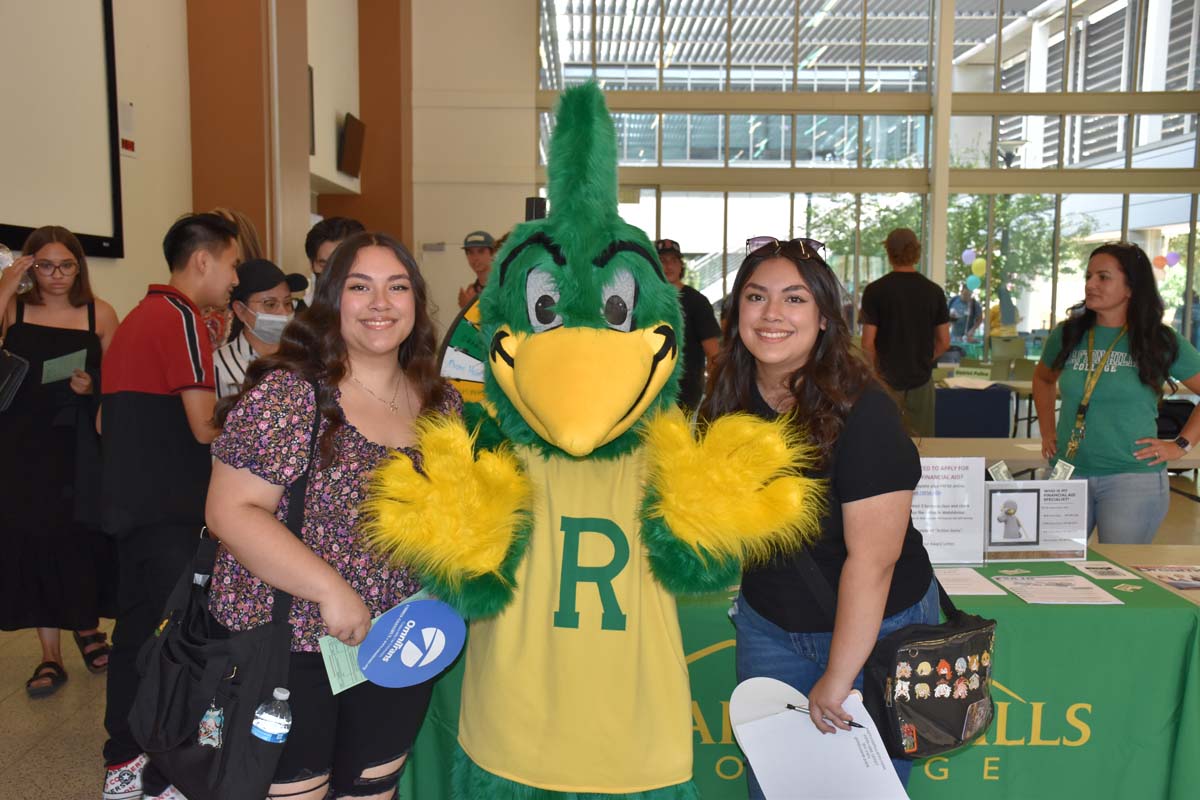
(760, 140)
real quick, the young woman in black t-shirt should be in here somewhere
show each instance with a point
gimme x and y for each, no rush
(786, 349)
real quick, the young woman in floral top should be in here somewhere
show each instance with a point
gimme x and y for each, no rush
(367, 344)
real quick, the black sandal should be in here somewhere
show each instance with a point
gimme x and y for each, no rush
(90, 657)
(47, 669)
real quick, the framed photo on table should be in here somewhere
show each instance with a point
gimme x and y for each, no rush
(1035, 520)
(1015, 516)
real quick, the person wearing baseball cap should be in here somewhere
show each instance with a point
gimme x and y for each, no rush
(701, 333)
(262, 307)
(479, 246)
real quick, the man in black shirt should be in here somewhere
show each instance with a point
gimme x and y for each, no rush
(906, 326)
(701, 333)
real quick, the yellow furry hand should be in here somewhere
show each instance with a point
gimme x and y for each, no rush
(738, 491)
(458, 519)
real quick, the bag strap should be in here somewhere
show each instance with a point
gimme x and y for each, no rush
(282, 606)
(826, 596)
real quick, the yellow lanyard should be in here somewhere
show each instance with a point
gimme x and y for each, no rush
(1090, 386)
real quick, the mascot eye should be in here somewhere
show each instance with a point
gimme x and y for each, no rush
(541, 297)
(619, 297)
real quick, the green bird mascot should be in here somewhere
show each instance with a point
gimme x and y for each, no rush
(565, 520)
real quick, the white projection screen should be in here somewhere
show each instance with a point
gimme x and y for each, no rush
(59, 161)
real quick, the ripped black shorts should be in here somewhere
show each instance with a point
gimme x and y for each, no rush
(342, 735)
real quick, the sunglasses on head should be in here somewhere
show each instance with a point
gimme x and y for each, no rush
(808, 247)
(664, 245)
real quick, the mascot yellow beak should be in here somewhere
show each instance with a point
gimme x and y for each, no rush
(580, 388)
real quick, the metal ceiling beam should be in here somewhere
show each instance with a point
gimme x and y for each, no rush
(1077, 103)
(757, 102)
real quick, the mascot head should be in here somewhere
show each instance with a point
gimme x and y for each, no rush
(582, 329)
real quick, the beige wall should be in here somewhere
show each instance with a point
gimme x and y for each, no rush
(333, 55)
(474, 79)
(152, 72)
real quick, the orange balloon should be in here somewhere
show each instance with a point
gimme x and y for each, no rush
(1160, 262)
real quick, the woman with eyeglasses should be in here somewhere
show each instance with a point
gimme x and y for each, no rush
(262, 307)
(1110, 360)
(57, 571)
(786, 349)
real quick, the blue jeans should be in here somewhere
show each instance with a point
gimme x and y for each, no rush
(799, 659)
(1128, 508)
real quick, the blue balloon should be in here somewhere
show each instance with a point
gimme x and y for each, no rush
(973, 282)
(412, 643)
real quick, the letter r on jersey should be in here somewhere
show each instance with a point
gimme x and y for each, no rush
(612, 618)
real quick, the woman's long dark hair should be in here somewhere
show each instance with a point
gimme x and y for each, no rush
(313, 348)
(80, 293)
(831, 380)
(1152, 345)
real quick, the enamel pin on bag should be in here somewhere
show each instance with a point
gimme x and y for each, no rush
(928, 688)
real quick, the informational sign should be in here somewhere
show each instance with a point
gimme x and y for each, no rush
(948, 509)
(982, 372)
(1036, 520)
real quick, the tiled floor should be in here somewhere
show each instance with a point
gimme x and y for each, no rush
(50, 748)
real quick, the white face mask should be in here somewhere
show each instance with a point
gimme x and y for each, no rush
(269, 327)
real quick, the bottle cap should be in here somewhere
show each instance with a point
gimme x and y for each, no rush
(282, 693)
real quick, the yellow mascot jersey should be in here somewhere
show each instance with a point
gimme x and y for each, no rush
(582, 678)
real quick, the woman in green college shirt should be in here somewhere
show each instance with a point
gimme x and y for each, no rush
(1110, 360)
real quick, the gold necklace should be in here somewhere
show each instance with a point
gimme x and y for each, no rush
(392, 405)
(778, 407)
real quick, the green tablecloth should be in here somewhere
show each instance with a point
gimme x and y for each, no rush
(1091, 701)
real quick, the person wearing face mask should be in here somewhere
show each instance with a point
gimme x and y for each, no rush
(262, 307)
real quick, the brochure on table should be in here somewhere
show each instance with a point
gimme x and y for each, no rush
(1056, 590)
(1035, 520)
(948, 509)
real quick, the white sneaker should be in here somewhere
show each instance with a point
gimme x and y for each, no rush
(170, 793)
(124, 782)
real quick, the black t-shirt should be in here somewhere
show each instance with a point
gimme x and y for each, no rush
(872, 456)
(905, 307)
(699, 323)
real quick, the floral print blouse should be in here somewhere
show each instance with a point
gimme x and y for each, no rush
(268, 433)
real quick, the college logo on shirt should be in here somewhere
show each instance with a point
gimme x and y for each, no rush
(1078, 361)
(573, 528)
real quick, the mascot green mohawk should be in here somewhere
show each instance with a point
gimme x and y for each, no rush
(582, 503)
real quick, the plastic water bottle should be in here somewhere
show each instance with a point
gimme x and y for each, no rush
(273, 719)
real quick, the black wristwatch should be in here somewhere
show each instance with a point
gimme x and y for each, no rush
(1184, 444)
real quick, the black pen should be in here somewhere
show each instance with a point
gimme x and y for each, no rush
(805, 710)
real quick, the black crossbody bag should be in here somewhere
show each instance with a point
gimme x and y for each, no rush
(928, 688)
(13, 369)
(201, 683)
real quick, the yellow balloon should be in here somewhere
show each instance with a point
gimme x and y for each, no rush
(979, 267)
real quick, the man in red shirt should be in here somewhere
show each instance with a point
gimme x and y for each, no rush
(157, 422)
